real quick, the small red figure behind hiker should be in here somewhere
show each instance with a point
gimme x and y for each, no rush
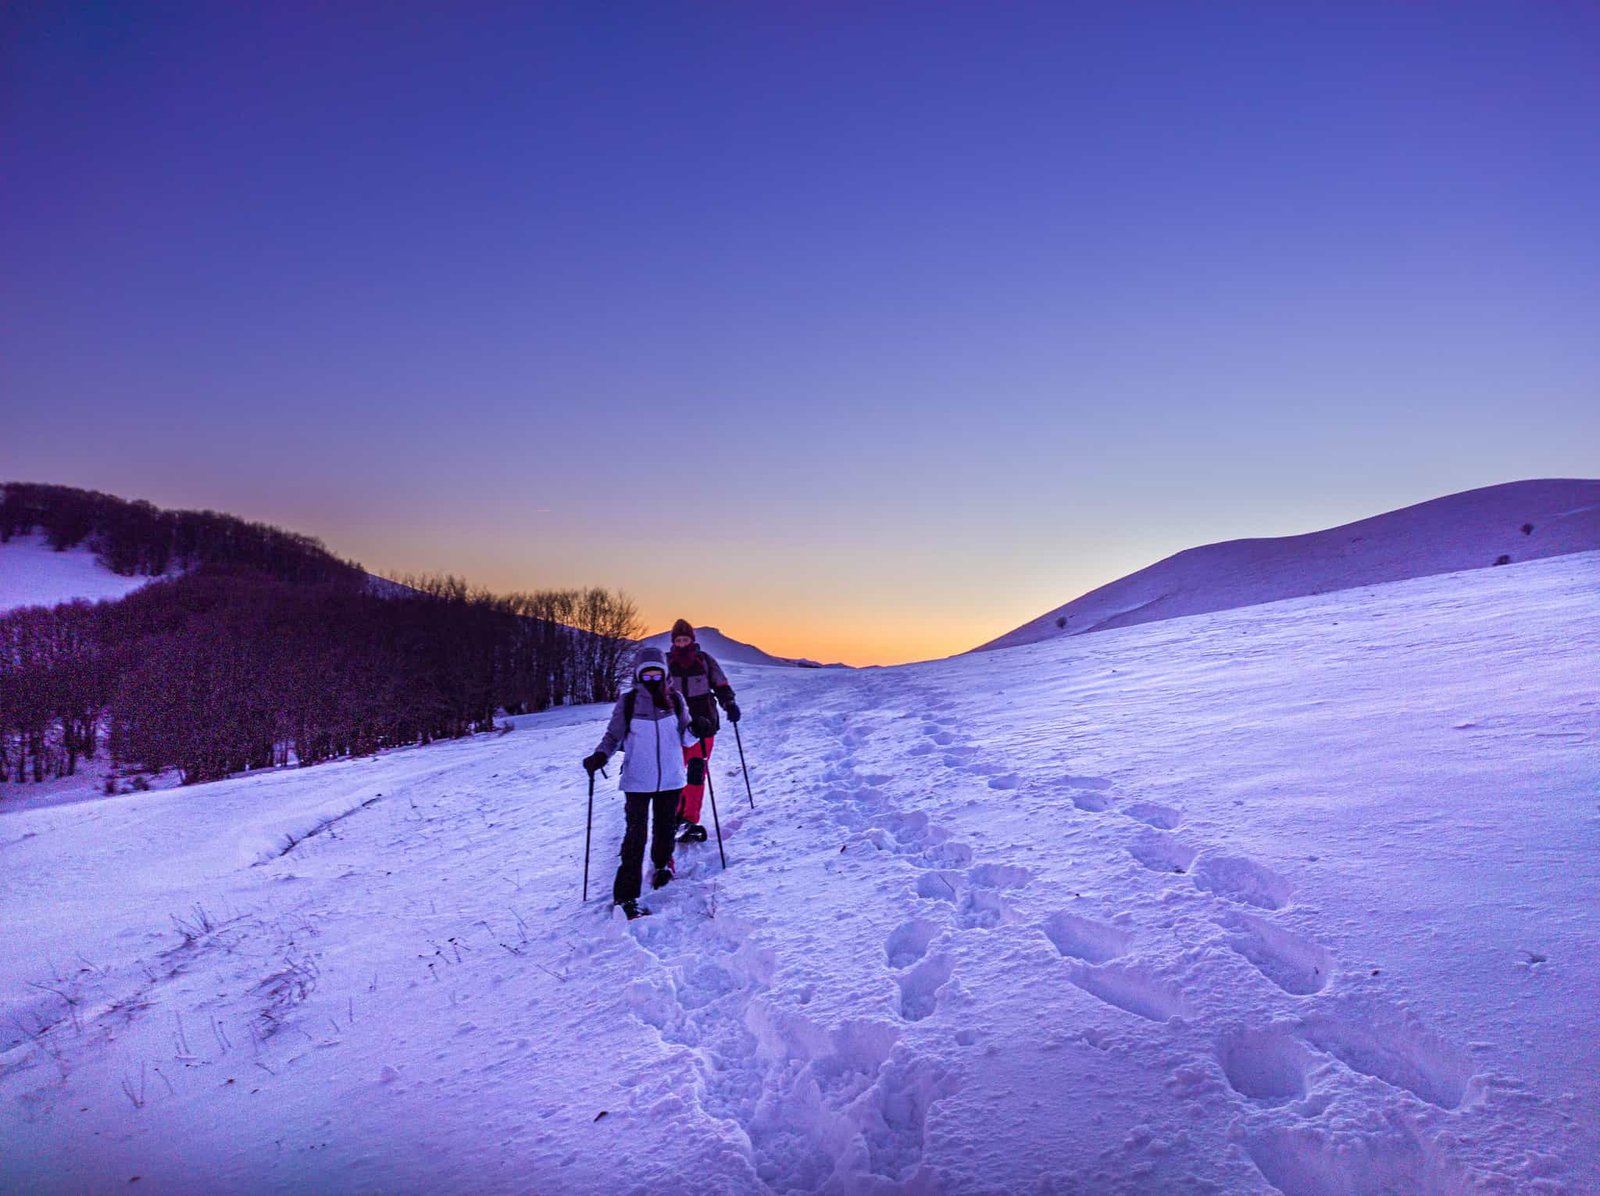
(701, 680)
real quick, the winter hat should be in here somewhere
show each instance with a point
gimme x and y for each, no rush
(681, 627)
(649, 658)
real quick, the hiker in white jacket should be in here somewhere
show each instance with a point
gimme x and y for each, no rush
(651, 725)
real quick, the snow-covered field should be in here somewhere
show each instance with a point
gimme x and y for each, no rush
(1298, 896)
(34, 574)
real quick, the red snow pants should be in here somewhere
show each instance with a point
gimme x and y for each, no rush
(693, 795)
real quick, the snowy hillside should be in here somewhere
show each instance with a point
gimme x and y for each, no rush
(728, 650)
(1519, 521)
(34, 574)
(1295, 897)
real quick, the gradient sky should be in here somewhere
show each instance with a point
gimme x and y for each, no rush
(864, 331)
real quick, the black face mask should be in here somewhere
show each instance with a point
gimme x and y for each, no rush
(657, 691)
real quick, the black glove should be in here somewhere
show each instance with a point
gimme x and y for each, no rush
(697, 771)
(701, 727)
(593, 764)
(733, 711)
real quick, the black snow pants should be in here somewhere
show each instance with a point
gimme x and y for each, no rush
(661, 809)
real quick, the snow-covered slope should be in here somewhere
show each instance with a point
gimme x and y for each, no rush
(1518, 521)
(728, 650)
(1299, 896)
(34, 574)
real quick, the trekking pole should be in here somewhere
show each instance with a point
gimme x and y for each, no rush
(711, 791)
(739, 739)
(588, 829)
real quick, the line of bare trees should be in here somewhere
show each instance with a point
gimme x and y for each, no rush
(224, 670)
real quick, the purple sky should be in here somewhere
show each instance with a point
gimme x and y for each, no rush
(864, 331)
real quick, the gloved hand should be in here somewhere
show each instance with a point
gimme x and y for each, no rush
(594, 763)
(733, 711)
(701, 728)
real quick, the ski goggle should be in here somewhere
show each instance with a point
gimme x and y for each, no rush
(651, 675)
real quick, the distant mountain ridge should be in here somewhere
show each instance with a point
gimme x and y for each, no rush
(1475, 529)
(728, 650)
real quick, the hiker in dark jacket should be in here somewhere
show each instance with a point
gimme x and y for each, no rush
(652, 725)
(704, 684)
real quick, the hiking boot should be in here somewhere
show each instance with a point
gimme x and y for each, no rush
(661, 879)
(634, 910)
(693, 832)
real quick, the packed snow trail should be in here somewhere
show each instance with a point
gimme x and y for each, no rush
(1293, 898)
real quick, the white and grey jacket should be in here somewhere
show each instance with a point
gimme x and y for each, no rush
(651, 739)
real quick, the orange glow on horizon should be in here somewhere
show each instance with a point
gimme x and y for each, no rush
(871, 641)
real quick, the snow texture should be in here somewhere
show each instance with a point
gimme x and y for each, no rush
(1295, 897)
(34, 574)
(1518, 521)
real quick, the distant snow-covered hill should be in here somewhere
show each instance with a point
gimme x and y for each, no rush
(1496, 525)
(728, 650)
(34, 574)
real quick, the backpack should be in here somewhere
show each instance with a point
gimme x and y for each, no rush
(679, 707)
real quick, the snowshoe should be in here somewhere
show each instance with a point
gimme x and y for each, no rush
(693, 832)
(634, 910)
(662, 878)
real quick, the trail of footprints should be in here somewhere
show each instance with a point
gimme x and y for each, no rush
(1269, 1065)
(820, 1106)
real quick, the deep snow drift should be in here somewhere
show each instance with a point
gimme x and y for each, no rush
(1298, 896)
(1477, 529)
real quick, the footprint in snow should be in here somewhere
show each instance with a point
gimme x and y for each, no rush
(1086, 939)
(893, 1122)
(1390, 1045)
(1150, 813)
(919, 988)
(1091, 802)
(857, 1052)
(981, 909)
(940, 885)
(1270, 1065)
(999, 876)
(1295, 964)
(908, 942)
(1312, 1160)
(1132, 989)
(907, 828)
(948, 855)
(1242, 880)
(1074, 782)
(1160, 852)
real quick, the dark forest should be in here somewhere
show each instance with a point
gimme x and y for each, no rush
(258, 648)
